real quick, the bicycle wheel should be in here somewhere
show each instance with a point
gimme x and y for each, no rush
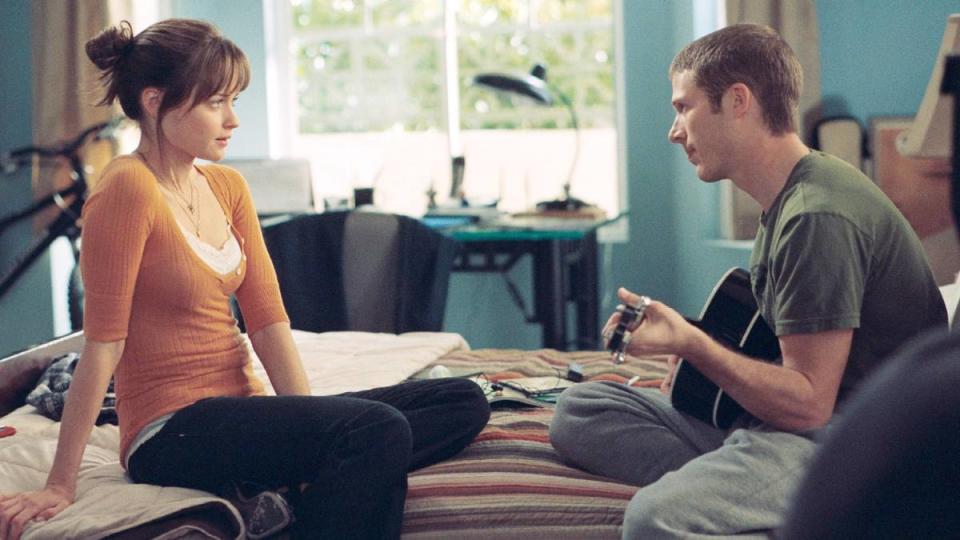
(75, 299)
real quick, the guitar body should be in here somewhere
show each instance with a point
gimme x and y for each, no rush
(730, 316)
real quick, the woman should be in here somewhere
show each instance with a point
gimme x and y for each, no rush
(165, 244)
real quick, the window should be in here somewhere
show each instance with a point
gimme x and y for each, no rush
(379, 94)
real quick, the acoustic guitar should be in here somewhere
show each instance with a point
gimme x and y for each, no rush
(730, 316)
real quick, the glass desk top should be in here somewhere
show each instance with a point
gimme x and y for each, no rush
(516, 228)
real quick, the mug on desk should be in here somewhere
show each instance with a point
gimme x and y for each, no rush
(362, 196)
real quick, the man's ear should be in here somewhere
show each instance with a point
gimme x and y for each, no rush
(150, 100)
(740, 99)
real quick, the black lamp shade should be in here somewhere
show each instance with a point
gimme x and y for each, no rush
(529, 85)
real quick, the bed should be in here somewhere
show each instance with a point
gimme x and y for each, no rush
(508, 483)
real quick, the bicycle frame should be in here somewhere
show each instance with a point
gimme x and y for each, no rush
(65, 223)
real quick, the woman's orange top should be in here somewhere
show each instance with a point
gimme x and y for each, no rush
(145, 284)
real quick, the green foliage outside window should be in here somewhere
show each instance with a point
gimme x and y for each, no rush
(376, 65)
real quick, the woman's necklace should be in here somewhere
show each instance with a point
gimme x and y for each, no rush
(186, 204)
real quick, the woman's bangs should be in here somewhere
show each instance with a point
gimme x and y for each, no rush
(225, 71)
(236, 71)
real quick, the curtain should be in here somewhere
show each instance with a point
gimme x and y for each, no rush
(65, 86)
(796, 21)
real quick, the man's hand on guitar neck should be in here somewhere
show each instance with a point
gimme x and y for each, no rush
(662, 330)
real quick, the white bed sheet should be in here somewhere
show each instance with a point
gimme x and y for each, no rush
(107, 502)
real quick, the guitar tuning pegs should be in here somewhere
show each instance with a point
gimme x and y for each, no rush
(630, 319)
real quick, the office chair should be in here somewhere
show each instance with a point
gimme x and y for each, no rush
(361, 271)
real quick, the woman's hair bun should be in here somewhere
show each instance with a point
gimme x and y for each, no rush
(111, 45)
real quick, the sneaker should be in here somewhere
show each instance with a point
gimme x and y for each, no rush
(264, 514)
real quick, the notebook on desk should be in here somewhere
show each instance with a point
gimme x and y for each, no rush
(470, 214)
(446, 222)
(587, 212)
(542, 223)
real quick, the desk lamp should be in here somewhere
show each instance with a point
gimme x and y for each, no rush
(534, 86)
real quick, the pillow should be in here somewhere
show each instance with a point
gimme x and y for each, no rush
(50, 394)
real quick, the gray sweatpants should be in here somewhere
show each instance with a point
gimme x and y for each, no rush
(699, 481)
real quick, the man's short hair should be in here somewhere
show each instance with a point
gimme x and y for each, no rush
(751, 54)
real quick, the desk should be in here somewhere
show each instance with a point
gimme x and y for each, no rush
(564, 253)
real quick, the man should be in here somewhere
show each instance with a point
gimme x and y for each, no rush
(836, 272)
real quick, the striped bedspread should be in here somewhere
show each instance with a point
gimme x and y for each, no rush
(509, 483)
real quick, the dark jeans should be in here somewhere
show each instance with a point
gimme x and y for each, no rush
(353, 450)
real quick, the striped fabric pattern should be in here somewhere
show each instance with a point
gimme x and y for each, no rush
(509, 483)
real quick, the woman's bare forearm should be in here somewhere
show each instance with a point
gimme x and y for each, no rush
(84, 400)
(279, 355)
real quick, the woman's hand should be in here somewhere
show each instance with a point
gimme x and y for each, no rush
(20, 508)
(90, 380)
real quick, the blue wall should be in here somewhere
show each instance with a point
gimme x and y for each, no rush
(26, 312)
(876, 58)
(877, 55)
(656, 179)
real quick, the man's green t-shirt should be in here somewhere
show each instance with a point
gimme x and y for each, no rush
(833, 252)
